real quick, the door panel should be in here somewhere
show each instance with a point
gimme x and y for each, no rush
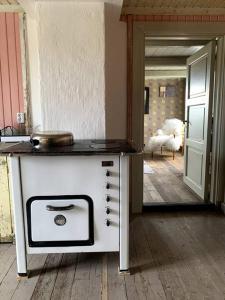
(196, 119)
(11, 102)
(198, 77)
(5, 206)
(194, 165)
(198, 113)
(11, 83)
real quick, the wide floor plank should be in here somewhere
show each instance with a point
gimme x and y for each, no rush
(165, 184)
(172, 256)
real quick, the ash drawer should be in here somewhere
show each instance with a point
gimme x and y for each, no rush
(54, 221)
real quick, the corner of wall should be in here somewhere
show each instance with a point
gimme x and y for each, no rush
(115, 71)
(32, 46)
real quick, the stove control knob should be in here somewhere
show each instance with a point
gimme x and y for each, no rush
(107, 222)
(107, 173)
(108, 198)
(107, 210)
(107, 186)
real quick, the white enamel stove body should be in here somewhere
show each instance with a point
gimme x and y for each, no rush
(70, 204)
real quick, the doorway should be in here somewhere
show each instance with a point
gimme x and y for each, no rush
(183, 32)
(164, 122)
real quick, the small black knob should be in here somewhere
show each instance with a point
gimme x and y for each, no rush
(107, 173)
(107, 222)
(108, 186)
(107, 210)
(108, 198)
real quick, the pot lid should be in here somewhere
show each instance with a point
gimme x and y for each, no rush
(52, 133)
(51, 138)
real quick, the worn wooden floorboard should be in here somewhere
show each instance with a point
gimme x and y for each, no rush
(6, 260)
(25, 288)
(116, 283)
(88, 277)
(173, 256)
(47, 278)
(165, 184)
(149, 280)
(192, 268)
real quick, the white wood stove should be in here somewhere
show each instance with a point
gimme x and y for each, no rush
(70, 199)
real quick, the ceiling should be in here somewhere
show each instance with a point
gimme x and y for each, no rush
(171, 50)
(167, 59)
(195, 7)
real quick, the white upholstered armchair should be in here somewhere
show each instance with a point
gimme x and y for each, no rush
(170, 136)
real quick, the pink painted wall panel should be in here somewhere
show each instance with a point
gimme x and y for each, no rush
(5, 71)
(11, 90)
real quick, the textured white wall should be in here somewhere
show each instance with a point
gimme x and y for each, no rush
(77, 54)
(34, 70)
(71, 50)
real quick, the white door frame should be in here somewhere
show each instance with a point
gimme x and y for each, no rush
(189, 31)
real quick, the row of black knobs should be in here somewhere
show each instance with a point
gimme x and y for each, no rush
(107, 198)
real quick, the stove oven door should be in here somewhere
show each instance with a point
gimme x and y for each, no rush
(60, 221)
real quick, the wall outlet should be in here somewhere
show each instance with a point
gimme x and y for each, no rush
(20, 116)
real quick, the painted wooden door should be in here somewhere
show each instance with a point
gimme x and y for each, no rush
(11, 102)
(11, 84)
(6, 234)
(198, 114)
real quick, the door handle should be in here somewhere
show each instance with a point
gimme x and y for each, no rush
(59, 208)
(186, 122)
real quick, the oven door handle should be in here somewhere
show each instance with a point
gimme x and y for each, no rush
(59, 208)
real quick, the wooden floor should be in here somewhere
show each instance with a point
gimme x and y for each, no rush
(173, 256)
(166, 185)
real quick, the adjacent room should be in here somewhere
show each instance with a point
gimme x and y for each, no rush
(164, 121)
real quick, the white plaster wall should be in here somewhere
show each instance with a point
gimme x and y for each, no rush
(34, 71)
(77, 54)
(71, 50)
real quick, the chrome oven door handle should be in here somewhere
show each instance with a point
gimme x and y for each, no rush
(59, 208)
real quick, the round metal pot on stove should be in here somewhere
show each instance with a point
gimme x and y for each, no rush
(46, 139)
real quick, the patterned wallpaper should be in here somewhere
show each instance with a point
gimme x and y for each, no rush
(163, 108)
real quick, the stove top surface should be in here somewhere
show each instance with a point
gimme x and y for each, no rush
(80, 147)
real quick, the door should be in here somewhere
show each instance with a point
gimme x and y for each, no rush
(11, 103)
(6, 231)
(198, 115)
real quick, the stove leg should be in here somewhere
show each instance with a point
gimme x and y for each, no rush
(124, 215)
(18, 216)
(21, 276)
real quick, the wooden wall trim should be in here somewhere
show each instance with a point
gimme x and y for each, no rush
(173, 18)
(129, 75)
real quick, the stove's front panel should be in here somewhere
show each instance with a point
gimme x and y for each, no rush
(52, 184)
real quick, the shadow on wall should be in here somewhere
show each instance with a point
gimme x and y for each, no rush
(115, 72)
